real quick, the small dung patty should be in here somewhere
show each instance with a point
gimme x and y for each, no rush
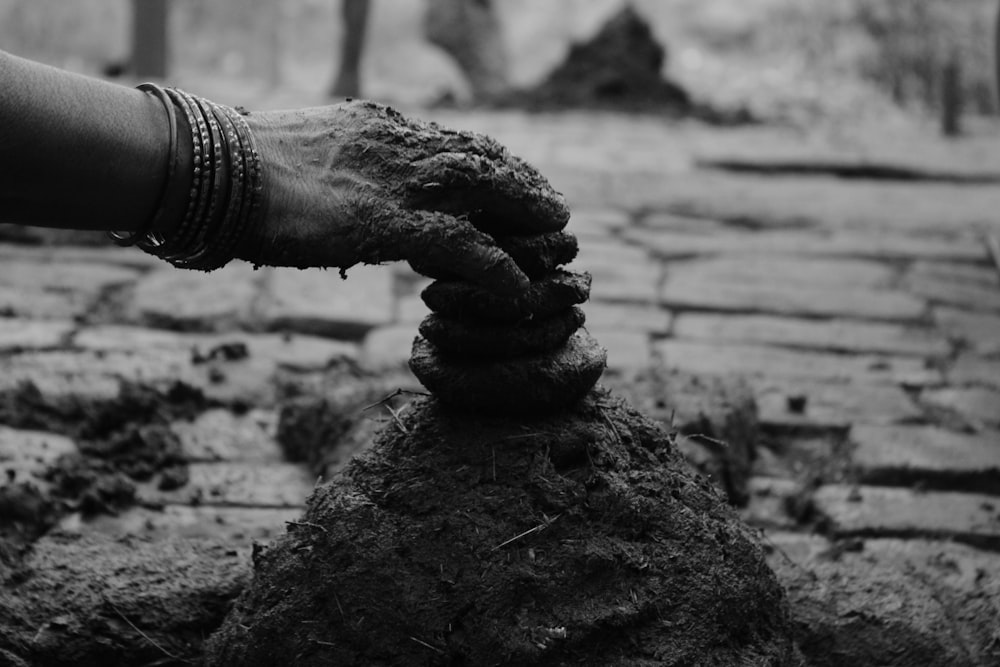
(526, 385)
(464, 338)
(544, 298)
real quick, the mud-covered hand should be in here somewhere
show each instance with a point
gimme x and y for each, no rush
(359, 182)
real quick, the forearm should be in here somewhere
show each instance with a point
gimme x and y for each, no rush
(77, 152)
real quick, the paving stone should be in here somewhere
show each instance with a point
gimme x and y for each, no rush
(981, 275)
(236, 524)
(831, 406)
(627, 350)
(789, 547)
(95, 375)
(293, 351)
(602, 315)
(934, 457)
(220, 435)
(620, 272)
(770, 498)
(104, 255)
(698, 293)
(979, 405)
(970, 369)
(248, 379)
(778, 201)
(593, 221)
(878, 511)
(762, 361)
(971, 296)
(239, 484)
(320, 302)
(25, 334)
(836, 335)
(978, 331)
(66, 276)
(957, 565)
(25, 453)
(197, 301)
(678, 221)
(782, 270)
(27, 303)
(859, 245)
(388, 347)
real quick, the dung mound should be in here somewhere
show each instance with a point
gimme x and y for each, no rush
(580, 537)
(619, 68)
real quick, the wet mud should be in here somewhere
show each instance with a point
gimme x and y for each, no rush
(580, 537)
(464, 338)
(100, 601)
(530, 384)
(545, 297)
(119, 443)
(620, 68)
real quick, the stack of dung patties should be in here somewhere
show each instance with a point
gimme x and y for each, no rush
(482, 352)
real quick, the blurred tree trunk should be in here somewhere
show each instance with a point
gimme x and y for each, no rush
(996, 55)
(149, 38)
(951, 96)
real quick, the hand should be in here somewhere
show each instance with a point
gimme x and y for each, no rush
(359, 182)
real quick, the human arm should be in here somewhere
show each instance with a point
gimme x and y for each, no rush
(345, 184)
(77, 152)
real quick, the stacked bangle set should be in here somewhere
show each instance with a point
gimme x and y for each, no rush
(226, 191)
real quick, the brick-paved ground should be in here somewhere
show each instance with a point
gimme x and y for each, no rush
(875, 302)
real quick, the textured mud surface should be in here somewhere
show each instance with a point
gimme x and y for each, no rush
(537, 254)
(860, 611)
(479, 340)
(524, 385)
(545, 297)
(100, 601)
(577, 538)
(120, 443)
(716, 417)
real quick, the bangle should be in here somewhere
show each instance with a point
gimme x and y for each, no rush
(134, 237)
(227, 188)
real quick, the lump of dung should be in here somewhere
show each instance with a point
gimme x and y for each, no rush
(487, 340)
(521, 385)
(537, 254)
(579, 537)
(545, 297)
(484, 352)
(619, 68)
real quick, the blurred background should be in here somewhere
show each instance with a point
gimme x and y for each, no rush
(799, 60)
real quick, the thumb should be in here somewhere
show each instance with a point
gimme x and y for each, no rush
(444, 242)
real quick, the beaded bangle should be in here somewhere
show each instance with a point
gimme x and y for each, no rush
(136, 236)
(226, 190)
(203, 173)
(234, 221)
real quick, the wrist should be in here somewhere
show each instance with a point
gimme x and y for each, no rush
(213, 189)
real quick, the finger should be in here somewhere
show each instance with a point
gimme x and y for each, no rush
(442, 243)
(501, 197)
